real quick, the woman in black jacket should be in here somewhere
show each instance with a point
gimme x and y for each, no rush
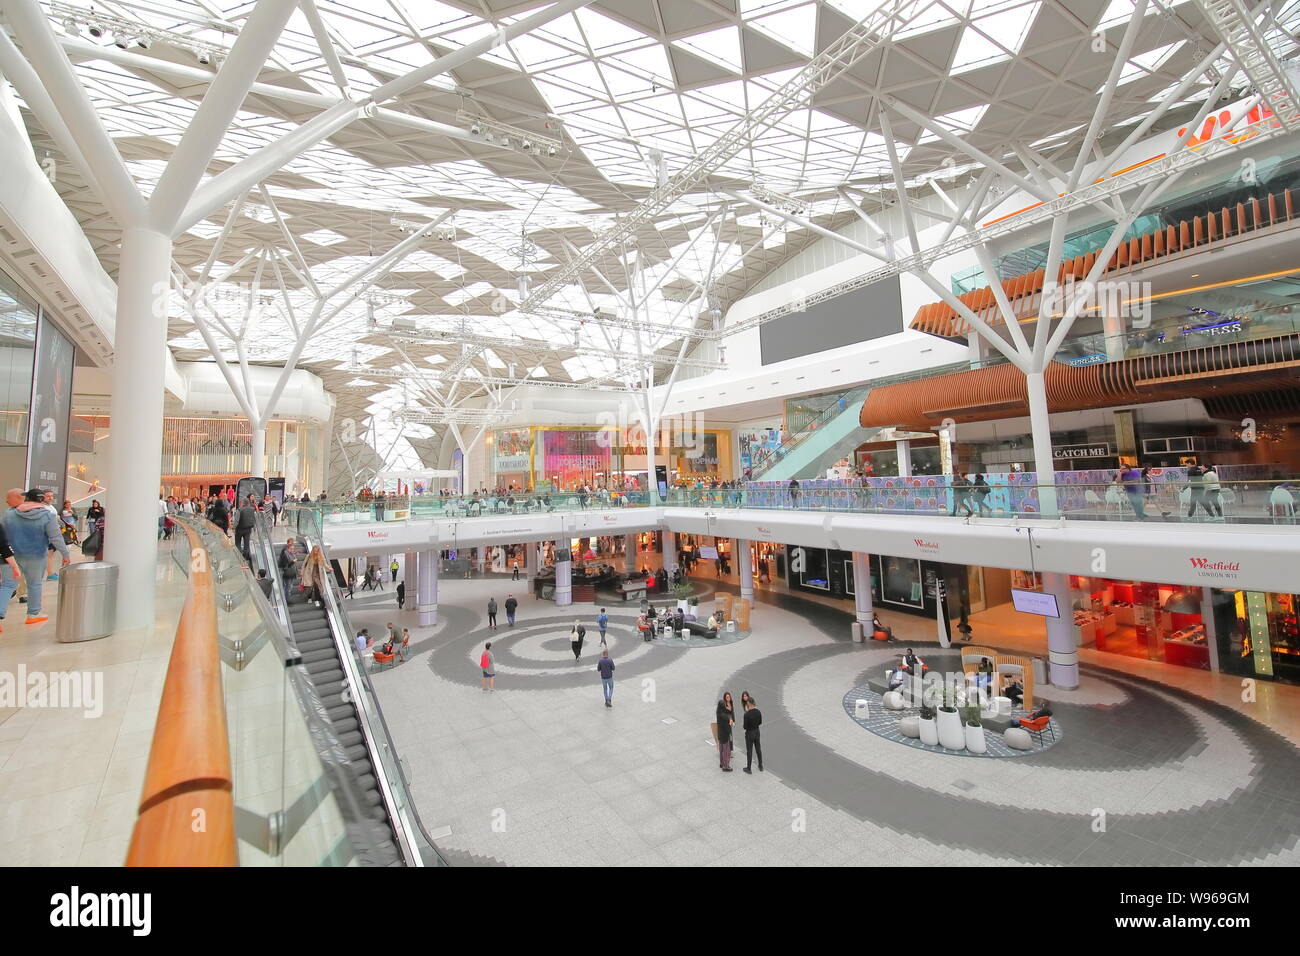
(726, 716)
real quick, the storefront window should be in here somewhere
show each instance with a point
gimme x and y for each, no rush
(902, 581)
(814, 572)
(1258, 634)
(1158, 622)
(17, 355)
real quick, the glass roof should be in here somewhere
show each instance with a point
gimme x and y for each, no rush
(628, 92)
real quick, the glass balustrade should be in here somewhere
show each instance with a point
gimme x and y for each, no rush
(1169, 495)
(286, 813)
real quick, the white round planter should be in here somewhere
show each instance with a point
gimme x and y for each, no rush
(975, 740)
(929, 733)
(951, 736)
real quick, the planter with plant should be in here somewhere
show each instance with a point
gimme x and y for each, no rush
(929, 729)
(949, 722)
(975, 742)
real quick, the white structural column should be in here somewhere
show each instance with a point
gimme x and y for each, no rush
(135, 462)
(745, 565)
(904, 458)
(411, 577)
(1040, 428)
(427, 588)
(1062, 644)
(530, 559)
(258, 469)
(669, 548)
(629, 553)
(563, 576)
(862, 611)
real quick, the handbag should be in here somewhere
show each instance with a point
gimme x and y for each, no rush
(91, 545)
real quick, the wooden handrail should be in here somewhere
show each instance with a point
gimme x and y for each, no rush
(187, 809)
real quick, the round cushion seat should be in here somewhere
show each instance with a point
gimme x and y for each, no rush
(1017, 738)
(892, 700)
(910, 726)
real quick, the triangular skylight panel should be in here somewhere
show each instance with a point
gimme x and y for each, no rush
(717, 46)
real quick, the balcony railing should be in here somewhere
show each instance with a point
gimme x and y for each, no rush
(1169, 495)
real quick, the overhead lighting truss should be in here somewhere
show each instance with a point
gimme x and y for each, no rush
(875, 30)
(510, 137)
(125, 34)
(507, 344)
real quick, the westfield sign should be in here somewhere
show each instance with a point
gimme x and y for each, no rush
(926, 545)
(1225, 568)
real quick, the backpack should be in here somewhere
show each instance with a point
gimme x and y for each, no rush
(483, 661)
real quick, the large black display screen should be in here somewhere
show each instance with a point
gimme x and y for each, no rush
(860, 316)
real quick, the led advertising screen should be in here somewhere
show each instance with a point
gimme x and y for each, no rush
(1035, 602)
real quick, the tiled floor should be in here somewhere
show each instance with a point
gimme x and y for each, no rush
(70, 782)
(540, 772)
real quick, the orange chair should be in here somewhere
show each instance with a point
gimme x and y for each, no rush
(1036, 727)
(384, 659)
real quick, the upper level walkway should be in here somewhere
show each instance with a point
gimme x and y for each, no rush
(1242, 542)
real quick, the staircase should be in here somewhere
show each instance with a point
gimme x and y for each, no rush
(367, 824)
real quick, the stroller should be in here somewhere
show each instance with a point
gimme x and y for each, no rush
(69, 531)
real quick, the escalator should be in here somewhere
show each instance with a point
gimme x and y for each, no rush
(808, 453)
(311, 631)
(367, 779)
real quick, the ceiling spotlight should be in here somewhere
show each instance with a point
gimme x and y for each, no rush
(95, 30)
(123, 42)
(144, 43)
(527, 145)
(475, 130)
(70, 27)
(551, 151)
(202, 57)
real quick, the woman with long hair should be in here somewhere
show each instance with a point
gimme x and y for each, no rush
(726, 717)
(314, 578)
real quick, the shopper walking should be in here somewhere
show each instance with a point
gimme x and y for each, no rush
(245, 519)
(753, 719)
(514, 576)
(725, 715)
(401, 595)
(511, 606)
(1213, 491)
(576, 635)
(488, 663)
(393, 568)
(31, 530)
(605, 667)
(602, 622)
(492, 613)
(1196, 488)
(1131, 478)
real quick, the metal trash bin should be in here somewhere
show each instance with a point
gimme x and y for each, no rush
(87, 601)
(1040, 672)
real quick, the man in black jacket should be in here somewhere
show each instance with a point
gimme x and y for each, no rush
(753, 719)
(244, 522)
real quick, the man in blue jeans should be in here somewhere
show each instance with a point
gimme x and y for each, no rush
(606, 668)
(32, 530)
(602, 622)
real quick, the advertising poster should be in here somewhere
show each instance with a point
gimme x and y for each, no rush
(47, 447)
(512, 447)
(573, 458)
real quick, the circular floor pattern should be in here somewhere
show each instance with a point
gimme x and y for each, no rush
(1151, 730)
(543, 659)
(884, 723)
